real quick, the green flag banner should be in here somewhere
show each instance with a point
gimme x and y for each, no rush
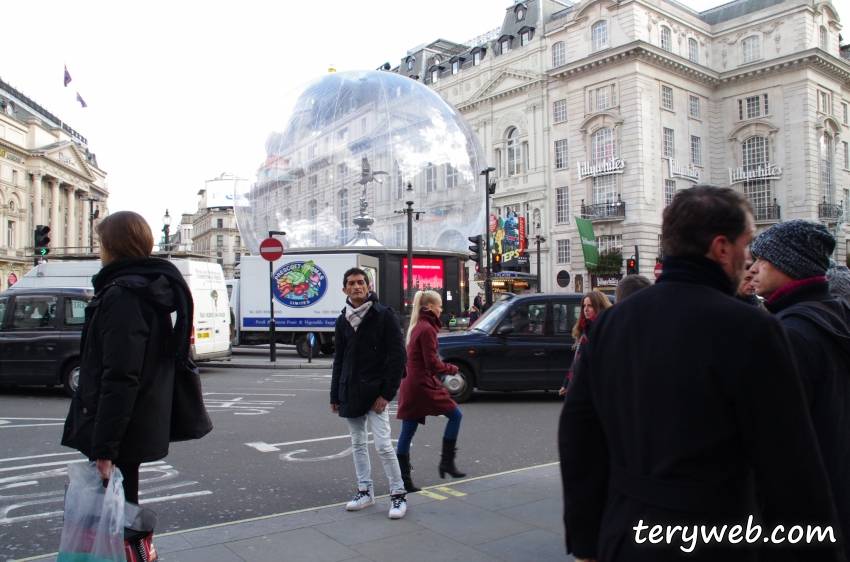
(588, 242)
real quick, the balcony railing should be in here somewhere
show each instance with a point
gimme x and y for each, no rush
(830, 212)
(767, 213)
(604, 211)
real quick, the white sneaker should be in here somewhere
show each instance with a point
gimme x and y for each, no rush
(399, 506)
(361, 500)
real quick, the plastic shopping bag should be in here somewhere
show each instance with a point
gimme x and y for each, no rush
(94, 516)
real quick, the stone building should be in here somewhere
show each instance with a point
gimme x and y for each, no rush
(48, 176)
(213, 229)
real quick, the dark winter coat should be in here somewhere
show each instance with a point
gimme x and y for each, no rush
(586, 325)
(421, 393)
(122, 408)
(820, 342)
(368, 363)
(682, 402)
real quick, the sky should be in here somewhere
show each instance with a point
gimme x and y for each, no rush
(179, 91)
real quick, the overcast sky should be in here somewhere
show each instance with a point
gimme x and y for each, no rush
(177, 90)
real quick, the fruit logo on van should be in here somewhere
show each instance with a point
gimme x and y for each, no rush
(299, 284)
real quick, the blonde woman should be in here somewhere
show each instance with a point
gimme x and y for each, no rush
(421, 393)
(591, 305)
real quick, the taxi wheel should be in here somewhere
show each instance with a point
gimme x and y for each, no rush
(71, 377)
(460, 386)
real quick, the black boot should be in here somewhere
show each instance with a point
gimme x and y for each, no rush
(404, 464)
(447, 461)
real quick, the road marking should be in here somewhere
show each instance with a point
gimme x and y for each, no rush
(269, 447)
(37, 457)
(11, 425)
(431, 495)
(246, 394)
(10, 468)
(41, 419)
(447, 490)
(317, 376)
(175, 497)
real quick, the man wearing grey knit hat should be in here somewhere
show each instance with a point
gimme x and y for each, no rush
(792, 259)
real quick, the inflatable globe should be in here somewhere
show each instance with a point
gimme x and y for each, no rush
(340, 154)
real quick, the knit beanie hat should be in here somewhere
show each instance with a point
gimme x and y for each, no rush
(798, 248)
(839, 280)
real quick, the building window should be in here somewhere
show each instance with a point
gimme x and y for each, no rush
(514, 153)
(15, 172)
(410, 64)
(667, 97)
(693, 107)
(668, 144)
(476, 58)
(343, 216)
(343, 169)
(609, 243)
(600, 35)
(313, 216)
(669, 191)
(237, 257)
(823, 38)
(693, 50)
(505, 46)
(754, 155)
(826, 181)
(430, 178)
(10, 232)
(286, 191)
(455, 67)
(342, 135)
(604, 187)
(399, 182)
(219, 240)
(846, 155)
(823, 101)
(560, 111)
(752, 107)
(563, 251)
(238, 241)
(696, 153)
(562, 213)
(666, 38)
(602, 98)
(559, 54)
(561, 160)
(287, 217)
(751, 49)
(219, 223)
(435, 75)
(399, 235)
(524, 38)
(451, 176)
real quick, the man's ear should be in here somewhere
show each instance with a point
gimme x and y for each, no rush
(720, 250)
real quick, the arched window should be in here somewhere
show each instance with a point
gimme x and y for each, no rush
(600, 35)
(693, 50)
(603, 150)
(559, 55)
(755, 154)
(751, 49)
(313, 216)
(342, 198)
(823, 38)
(666, 38)
(514, 153)
(827, 183)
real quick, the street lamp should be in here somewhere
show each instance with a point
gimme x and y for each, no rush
(409, 200)
(488, 191)
(539, 239)
(166, 221)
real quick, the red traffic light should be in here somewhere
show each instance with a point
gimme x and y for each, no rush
(632, 263)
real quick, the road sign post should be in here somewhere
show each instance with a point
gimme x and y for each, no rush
(270, 250)
(312, 340)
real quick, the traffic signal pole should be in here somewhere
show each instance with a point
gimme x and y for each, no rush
(488, 191)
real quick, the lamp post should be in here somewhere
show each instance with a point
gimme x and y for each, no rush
(409, 200)
(166, 228)
(538, 231)
(488, 191)
(92, 215)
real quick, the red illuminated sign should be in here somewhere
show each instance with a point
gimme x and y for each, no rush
(427, 273)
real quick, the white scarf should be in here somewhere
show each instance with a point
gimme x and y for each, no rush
(355, 315)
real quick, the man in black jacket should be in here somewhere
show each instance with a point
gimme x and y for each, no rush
(790, 271)
(683, 402)
(369, 363)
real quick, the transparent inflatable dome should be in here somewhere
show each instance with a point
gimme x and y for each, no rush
(339, 155)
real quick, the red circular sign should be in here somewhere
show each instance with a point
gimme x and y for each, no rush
(271, 249)
(657, 270)
(494, 223)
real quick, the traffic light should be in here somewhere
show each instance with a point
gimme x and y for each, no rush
(41, 240)
(632, 267)
(497, 263)
(475, 248)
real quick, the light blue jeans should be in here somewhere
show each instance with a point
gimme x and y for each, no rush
(381, 434)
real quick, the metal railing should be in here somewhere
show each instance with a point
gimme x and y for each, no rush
(765, 213)
(830, 211)
(604, 211)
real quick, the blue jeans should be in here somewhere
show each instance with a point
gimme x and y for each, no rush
(380, 426)
(408, 430)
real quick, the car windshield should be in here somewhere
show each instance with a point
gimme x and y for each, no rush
(490, 318)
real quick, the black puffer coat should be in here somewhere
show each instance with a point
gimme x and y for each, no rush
(367, 363)
(122, 408)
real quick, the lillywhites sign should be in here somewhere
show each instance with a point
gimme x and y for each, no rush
(612, 166)
(766, 172)
(676, 171)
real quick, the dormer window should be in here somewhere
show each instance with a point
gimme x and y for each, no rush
(409, 64)
(504, 45)
(525, 35)
(478, 55)
(455, 67)
(435, 75)
(520, 14)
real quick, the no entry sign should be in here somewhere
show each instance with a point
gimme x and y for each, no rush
(657, 270)
(271, 249)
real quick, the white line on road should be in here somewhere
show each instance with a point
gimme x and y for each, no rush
(10, 468)
(175, 497)
(41, 419)
(37, 457)
(28, 425)
(269, 447)
(245, 394)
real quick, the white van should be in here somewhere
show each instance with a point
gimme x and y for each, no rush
(211, 324)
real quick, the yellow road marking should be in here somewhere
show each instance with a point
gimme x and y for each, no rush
(432, 495)
(449, 491)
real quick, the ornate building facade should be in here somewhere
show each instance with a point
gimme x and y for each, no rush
(49, 177)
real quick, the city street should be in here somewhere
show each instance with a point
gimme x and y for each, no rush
(276, 447)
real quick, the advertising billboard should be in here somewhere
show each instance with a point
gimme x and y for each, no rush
(427, 274)
(220, 191)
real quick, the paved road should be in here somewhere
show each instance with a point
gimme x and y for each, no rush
(276, 447)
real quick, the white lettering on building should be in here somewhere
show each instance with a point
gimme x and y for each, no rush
(676, 171)
(612, 166)
(767, 172)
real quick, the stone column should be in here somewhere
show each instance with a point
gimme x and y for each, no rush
(56, 238)
(85, 225)
(36, 201)
(70, 213)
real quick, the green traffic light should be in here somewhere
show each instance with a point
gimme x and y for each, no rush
(43, 251)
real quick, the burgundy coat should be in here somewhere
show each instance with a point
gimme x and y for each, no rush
(421, 393)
